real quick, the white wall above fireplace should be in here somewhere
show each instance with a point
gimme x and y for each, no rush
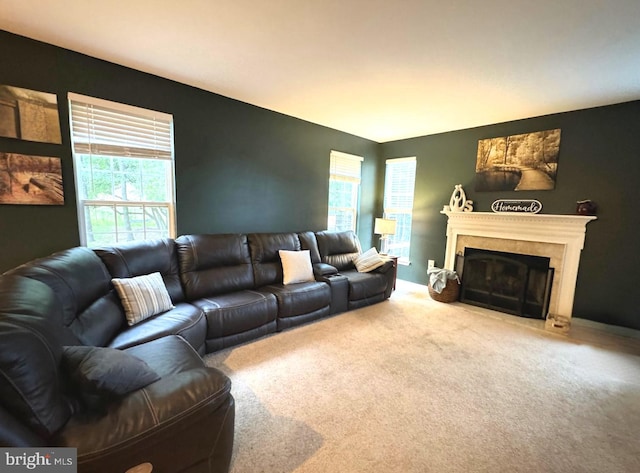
(567, 231)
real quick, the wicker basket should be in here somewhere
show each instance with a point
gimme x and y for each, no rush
(450, 292)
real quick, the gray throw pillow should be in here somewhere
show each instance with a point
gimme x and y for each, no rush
(142, 296)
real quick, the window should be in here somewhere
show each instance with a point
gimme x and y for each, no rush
(400, 178)
(344, 191)
(124, 169)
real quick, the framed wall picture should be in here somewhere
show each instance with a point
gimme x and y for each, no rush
(519, 162)
(29, 115)
(30, 180)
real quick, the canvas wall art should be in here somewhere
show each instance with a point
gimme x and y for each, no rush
(30, 180)
(518, 162)
(29, 115)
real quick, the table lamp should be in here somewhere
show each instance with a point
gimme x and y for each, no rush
(384, 227)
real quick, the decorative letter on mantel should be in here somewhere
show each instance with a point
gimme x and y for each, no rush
(458, 201)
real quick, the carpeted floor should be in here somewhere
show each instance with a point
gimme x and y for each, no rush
(413, 385)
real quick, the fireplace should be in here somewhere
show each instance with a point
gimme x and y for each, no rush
(557, 237)
(509, 282)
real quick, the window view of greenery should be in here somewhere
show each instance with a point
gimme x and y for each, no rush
(123, 162)
(398, 204)
(124, 198)
(398, 244)
(343, 202)
(344, 191)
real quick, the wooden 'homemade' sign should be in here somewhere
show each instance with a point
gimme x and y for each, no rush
(528, 206)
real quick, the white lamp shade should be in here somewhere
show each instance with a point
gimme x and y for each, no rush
(384, 226)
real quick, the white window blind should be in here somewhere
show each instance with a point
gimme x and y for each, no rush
(108, 128)
(399, 184)
(124, 166)
(344, 191)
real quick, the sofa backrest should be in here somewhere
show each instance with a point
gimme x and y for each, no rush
(309, 242)
(214, 264)
(137, 258)
(31, 386)
(338, 248)
(264, 247)
(91, 309)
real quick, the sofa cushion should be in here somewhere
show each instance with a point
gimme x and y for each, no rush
(135, 258)
(167, 356)
(338, 249)
(99, 374)
(237, 317)
(368, 261)
(237, 312)
(296, 266)
(265, 257)
(301, 298)
(214, 264)
(365, 285)
(308, 242)
(142, 296)
(184, 319)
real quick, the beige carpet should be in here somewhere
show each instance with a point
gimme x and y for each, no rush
(413, 385)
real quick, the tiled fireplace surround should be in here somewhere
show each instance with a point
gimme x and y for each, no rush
(558, 237)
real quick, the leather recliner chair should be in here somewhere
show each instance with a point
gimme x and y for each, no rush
(339, 249)
(297, 303)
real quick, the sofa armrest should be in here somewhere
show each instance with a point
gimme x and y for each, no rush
(176, 421)
(323, 269)
(388, 265)
(14, 433)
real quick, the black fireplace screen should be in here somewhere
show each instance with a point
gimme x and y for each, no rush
(508, 282)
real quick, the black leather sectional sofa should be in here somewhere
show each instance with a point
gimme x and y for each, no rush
(225, 289)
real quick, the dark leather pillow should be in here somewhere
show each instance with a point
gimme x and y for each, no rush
(99, 375)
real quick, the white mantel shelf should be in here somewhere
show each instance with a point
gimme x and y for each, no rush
(566, 230)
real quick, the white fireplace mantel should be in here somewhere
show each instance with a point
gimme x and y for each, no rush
(566, 230)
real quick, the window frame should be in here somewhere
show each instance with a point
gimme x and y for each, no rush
(82, 145)
(341, 169)
(389, 211)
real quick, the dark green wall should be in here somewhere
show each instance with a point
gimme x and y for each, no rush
(599, 160)
(239, 168)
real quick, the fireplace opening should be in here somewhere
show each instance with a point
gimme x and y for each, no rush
(508, 282)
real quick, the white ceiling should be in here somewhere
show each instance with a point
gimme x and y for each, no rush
(380, 69)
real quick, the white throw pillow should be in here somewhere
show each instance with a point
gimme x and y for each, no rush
(142, 296)
(296, 266)
(368, 261)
